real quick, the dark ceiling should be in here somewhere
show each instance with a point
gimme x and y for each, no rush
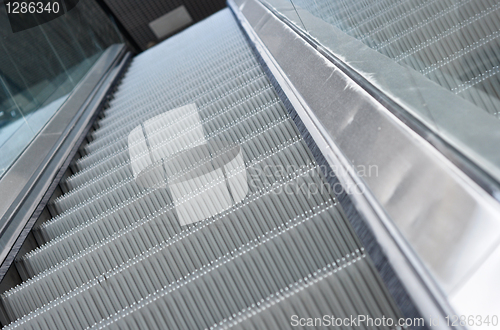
(135, 15)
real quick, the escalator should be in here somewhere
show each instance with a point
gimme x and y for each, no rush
(279, 164)
(198, 204)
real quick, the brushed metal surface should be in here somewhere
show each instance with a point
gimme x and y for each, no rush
(459, 123)
(450, 223)
(25, 183)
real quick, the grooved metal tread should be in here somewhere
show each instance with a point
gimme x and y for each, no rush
(197, 205)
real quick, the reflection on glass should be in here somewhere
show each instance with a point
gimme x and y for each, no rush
(39, 68)
(455, 43)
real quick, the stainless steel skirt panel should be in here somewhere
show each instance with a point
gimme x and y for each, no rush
(118, 254)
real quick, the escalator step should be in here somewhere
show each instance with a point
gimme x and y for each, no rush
(197, 205)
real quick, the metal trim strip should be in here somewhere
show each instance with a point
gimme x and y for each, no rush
(37, 177)
(420, 281)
